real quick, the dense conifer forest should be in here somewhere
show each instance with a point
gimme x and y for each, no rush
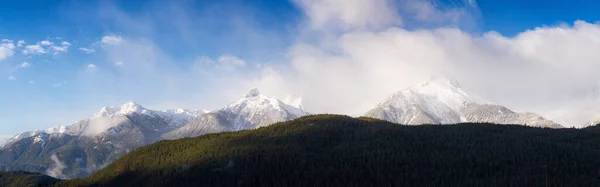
(332, 150)
(23, 179)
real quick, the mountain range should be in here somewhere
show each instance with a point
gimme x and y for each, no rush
(79, 149)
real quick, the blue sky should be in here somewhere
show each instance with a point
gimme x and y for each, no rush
(203, 54)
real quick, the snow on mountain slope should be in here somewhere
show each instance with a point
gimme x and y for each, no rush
(441, 101)
(256, 110)
(591, 123)
(252, 111)
(90, 144)
(436, 102)
(21, 136)
(110, 117)
(176, 117)
(502, 115)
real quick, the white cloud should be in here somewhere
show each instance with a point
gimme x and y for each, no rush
(142, 54)
(87, 50)
(59, 49)
(12, 78)
(34, 50)
(112, 40)
(45, 46)
(6, 50)
(57, 168)
(99, 125)
(91, 66)
(63, 48)
(24, 65)
(20, 43)
(228, 61)
(46, 43)
(349, 14)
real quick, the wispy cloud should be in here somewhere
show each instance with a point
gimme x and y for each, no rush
(12, 78)
(112, 39)
(59, 84)
(46, 46)
(34, 50)
(349, 14)
(87, 50)
(63, 48)
(24, 65)
(45, 42)
(57, 168)
(20, 43)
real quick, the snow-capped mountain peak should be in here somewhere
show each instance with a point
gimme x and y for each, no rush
(253, 101)
(442, 101)
(106, 111)
(252, 111)
(58, 129)
(443, 90)
(256, 109)
(111, 116)
(54, 130)
(125, 109)
(131, 107)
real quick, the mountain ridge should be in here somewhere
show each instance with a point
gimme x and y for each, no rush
(251, 111)
(443, 101)
(92, 143)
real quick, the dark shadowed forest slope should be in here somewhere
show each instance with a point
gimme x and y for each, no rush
(24, 179)
(331, 150)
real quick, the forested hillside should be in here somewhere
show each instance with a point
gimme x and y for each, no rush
(331, 150)
(24, 179)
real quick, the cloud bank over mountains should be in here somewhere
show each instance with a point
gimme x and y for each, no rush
(540, 70)
(359, 52)
(343, 56)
